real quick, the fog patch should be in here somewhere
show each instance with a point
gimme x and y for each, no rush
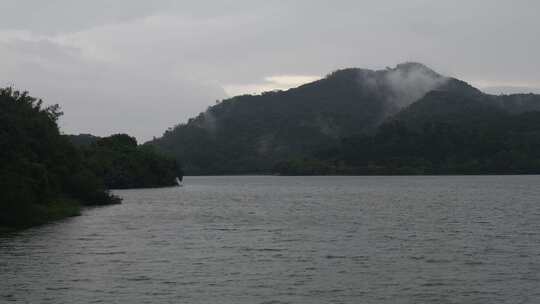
(401, 86)
(409, 84)
(209, 121)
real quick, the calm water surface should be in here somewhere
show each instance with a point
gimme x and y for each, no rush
(290, 240)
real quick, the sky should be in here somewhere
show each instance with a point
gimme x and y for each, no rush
(140, 67)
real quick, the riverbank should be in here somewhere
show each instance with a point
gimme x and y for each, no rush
(21, 217)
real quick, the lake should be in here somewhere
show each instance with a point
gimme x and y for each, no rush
(269, 239)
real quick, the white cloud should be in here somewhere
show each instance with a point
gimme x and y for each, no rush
(270, 83)
(291, 80)
(506, 87)
(496, 83)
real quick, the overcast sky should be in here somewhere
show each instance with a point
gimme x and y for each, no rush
(139, 66)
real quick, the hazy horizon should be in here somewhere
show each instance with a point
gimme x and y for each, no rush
(140, 67)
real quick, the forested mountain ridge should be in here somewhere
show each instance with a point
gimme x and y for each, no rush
(250, 133)
(317, 122)
(445, 132)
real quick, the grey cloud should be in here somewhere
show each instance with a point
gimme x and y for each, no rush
(143, 66)
(100, 97)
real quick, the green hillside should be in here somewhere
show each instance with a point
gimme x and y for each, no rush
(353, 119)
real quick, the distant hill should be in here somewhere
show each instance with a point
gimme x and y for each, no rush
(450, 131)
(311, 123)
(250, 133)
(464, 104)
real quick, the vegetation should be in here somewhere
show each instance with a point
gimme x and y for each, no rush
(250, 133)
(443, 133)
(42, 175)
(122, 164)
(406, 120)
(82, 140)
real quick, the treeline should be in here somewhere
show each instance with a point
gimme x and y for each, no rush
(42, 175)
(46, 176)
(122, 164)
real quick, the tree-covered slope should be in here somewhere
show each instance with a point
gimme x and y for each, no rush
(403, 119)
(249, 134)
(462, 104)
(448, 131)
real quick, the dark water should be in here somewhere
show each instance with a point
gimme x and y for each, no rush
(290, 240)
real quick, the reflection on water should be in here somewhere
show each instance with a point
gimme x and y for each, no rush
(290, 240)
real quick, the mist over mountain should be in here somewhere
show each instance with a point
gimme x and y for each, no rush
(445, 132)
(253, 133)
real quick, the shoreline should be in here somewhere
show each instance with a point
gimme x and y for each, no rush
(361, 175)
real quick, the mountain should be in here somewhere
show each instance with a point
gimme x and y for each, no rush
(452, 130)
(250, 133)
(464, 104)
(311, 123)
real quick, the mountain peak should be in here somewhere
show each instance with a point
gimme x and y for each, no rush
(409, 67)
(404, 68)
(249, 134)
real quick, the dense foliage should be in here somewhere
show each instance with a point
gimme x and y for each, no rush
(42, 175)
(443, 133)
(122, 164)
(82, 140)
